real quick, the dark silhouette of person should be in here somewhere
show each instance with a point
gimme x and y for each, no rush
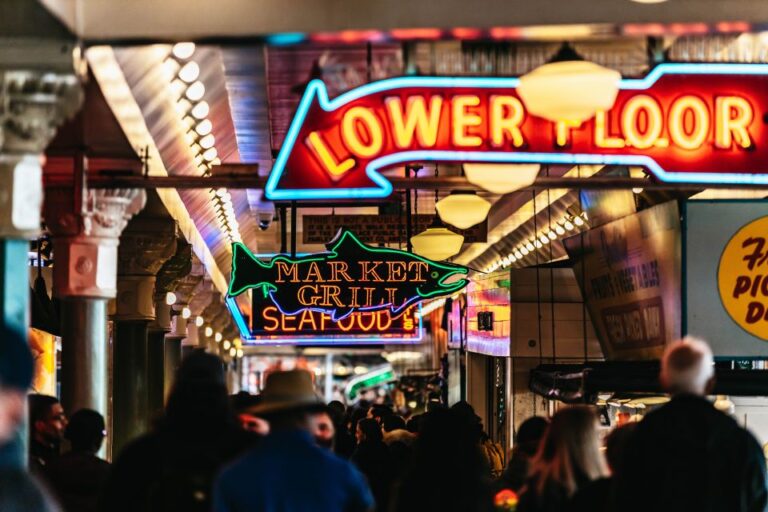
(172, 468)
(78, 477)
(47, 424)
(373, 459)
(527, 442)
(448, 472)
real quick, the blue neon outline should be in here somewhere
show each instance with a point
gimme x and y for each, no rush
(247, 336)
(384, 188)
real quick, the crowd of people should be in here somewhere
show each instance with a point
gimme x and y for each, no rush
(285, 450)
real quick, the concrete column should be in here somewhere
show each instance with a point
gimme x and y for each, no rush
(38, 91)
(147, 243)
(169, 277)
(85, 227)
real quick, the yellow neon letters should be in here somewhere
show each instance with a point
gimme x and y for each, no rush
(733, 115)
(463, 119)
(684, 132)
(358, 119)
(417, 120)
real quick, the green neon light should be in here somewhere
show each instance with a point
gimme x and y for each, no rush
(367, 381)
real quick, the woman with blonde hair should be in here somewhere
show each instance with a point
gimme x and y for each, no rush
(569, 457)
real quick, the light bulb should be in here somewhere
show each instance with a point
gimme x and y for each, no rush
(552, 235)
(559, 230)
(233, 352)
(543, 239)
(200, 111)
(537, 244)
(204, 127)
(185, 312)
(189, 72)
(183, 50)
(195, 91)
(217, 337)
(170, 298)
(208, 331)
(578, 221)
(240, 353)
(226, 344)
(637, 190)
(524, 251)
(207, 141)
(210, 154)
(518, 255)
(569, 225)
(529, 246)
(512, 258)
(199, 321)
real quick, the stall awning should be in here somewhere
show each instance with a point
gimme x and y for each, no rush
(581, 383)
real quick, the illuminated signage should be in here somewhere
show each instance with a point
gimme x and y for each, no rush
(699, 123)
(269, 323)
(741, 278)
(350, 278)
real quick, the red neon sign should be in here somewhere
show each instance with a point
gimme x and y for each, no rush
(269, 322)
(684, 122)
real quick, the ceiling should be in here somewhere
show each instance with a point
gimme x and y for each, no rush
(173, 20)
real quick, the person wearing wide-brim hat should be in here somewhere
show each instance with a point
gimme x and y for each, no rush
(288, 471)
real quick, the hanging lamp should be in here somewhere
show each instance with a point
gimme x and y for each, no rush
(501, 178)
(463, 209)
(568, 88)
(437, 242)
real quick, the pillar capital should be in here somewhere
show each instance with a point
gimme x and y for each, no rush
(86, 239)
(32, 105)
(146, 244)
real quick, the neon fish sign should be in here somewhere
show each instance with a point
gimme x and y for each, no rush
(700, 123)
(351, 277)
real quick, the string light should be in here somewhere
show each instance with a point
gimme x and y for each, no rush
(199, 321)
(185, 313)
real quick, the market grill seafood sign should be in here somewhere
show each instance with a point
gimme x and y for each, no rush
(351, 277)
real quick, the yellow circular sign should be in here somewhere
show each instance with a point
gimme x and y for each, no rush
(742, 278)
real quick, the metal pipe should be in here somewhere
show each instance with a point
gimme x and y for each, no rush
(398, 183)
(293, 229)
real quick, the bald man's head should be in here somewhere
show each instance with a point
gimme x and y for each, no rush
(688, 367)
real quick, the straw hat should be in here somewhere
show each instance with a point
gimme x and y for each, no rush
(289, 390)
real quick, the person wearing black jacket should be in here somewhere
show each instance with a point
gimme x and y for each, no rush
(172, 468)
(687, 455)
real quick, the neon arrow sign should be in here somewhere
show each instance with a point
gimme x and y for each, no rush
(351, 277)
(697, 123)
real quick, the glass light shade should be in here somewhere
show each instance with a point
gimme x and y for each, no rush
(207, 141)
(210, 154)
(200, 111)
(204, 127)
(170, 298)
(437, 243)
(183, 50)
(501, 178)
(463, 210)
(189, 72)
(195, 91)
(571, 91)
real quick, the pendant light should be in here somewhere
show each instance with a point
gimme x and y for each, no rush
(501, 178)
(568, 88)
(463, 209)
(437, 242)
